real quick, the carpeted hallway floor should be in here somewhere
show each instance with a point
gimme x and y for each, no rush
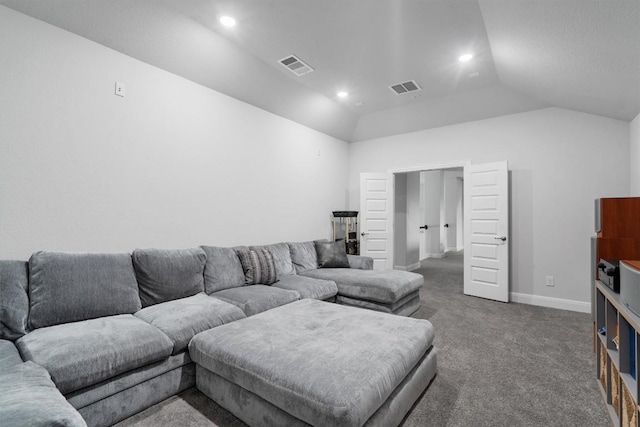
(498, 365)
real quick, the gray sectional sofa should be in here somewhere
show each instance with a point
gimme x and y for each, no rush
(96, 338)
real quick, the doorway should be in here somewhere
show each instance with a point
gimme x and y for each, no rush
(486, 224)
(428, 215)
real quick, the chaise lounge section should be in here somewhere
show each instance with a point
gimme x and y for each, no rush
(389, 291)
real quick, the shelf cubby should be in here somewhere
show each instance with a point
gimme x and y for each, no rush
(617, 344)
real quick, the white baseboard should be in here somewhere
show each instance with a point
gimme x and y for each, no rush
(413, 267)
(410, 267)
(438, 255)
(563, 304)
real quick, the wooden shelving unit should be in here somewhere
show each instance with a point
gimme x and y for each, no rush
(617, 356)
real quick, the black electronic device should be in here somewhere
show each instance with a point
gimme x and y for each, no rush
(609, 273)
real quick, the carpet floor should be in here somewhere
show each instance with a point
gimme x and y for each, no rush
(498, 365)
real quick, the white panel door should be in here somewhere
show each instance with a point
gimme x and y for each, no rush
(376, 218)
(486, 223)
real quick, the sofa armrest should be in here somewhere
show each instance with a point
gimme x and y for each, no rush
(360, 262)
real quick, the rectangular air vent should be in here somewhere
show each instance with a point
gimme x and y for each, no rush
(400, 88)
(295, 65)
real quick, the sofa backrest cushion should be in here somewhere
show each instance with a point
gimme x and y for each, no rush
(304, 256)
(281, 257)
(169, 274)
(14, 300)
(223, 269)
(69, 287)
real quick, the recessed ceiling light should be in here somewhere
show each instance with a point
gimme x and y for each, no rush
(342, 94)
(227, 21)
(465, 58)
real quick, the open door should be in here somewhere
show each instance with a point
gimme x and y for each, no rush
(486, 223)
(376, 218)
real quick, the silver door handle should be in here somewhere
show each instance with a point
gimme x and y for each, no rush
(364, 234)
(503, 238)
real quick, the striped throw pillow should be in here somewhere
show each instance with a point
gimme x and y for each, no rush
(258, 266)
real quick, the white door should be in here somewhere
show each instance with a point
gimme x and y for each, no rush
(376, 218)
(486, 223)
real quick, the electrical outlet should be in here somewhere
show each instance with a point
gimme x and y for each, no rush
(550, 281)
(120, 89)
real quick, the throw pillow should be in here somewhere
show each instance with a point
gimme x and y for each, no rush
(258, 266)
(332, 255)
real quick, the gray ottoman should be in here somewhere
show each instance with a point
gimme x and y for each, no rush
(313, 362)
(390, 291)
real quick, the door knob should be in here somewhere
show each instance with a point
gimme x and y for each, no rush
(503, 238)
(364, 234)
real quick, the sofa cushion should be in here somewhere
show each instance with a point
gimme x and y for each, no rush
(281, 257)
(308, 287)
(9, 355)
(379, 306)
(109, 394)
(254, 299)
(386, 286)
(183, 318)
(14, 301)
(29, 398)
(168, 274)
(331, 255)
(258, 266)
(361, 262)
(223, 269)
(304, 256)
(69, 287)
(83, 353)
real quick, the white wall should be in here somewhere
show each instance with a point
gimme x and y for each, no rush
(400, 222)
(413, 220)
(451, 198)
(560, 161)
(407, 219)
(173, 164)
(460, 214)
(432, 193)
(634, 156)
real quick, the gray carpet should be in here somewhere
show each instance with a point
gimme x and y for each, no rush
(498, 365)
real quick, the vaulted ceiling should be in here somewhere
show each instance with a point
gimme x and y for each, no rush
(528, 54)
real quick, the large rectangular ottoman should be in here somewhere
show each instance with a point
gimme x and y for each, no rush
(316, 363)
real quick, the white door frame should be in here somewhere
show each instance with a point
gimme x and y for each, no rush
(431, 167)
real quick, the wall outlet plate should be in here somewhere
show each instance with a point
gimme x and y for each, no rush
(550, 281)
(120, 89)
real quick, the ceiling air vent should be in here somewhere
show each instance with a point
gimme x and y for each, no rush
(295, 65)
(400, 88)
